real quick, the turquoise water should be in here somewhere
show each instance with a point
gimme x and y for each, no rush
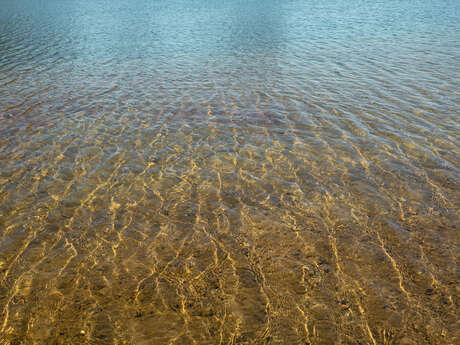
(229, 172)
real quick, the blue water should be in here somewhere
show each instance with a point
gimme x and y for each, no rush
(229, 172)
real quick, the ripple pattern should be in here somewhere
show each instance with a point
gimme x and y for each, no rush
(204, 172)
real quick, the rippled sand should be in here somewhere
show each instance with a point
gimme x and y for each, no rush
(293, 189)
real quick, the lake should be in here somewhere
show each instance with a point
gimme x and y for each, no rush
(229, 172)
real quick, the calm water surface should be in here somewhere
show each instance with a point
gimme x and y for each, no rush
(229, 172)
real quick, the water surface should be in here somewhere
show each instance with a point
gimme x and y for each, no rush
(229, 172)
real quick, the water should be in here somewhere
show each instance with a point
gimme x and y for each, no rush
(229, 172)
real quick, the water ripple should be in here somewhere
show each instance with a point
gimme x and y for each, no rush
(204, 172)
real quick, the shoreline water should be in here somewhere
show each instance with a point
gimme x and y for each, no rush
(262, 172)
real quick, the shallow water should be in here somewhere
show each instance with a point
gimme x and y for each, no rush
(229, 172)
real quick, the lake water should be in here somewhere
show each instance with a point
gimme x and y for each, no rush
(229, 172)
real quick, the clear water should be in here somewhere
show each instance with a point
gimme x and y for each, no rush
(229, 172)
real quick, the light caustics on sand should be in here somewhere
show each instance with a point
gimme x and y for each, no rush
(203, 172)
